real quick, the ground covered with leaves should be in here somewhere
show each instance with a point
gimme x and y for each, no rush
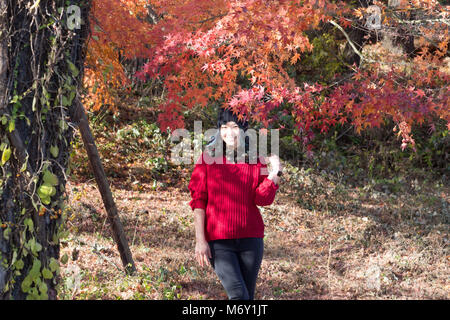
(325, 238)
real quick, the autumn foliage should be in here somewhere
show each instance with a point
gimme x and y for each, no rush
(238, 54)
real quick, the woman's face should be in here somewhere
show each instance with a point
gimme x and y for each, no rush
(230, 133)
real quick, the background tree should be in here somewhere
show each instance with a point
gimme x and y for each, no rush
(248, 56)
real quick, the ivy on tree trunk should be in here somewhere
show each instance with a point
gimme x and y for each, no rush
(42, 52)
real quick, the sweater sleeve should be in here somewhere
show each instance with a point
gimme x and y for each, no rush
(266, 189)
(197, 185)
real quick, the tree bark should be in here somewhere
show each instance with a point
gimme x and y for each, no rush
(41, 67)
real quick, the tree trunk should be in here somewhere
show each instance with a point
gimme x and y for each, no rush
(41, 67)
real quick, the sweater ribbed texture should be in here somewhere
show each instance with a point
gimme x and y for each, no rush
(230, 194)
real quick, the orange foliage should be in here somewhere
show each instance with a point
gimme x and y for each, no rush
(205, 49)
(114, 27)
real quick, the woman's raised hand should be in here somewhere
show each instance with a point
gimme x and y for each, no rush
(275, 164)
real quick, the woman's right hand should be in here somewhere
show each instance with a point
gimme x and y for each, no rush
(202, 252)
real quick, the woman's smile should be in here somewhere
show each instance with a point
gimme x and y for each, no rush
(230, 133)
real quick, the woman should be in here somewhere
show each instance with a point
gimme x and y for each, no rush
(225, 194)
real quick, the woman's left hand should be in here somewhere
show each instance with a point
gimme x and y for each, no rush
(275, 164)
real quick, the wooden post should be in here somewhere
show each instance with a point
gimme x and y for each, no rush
(79, 117)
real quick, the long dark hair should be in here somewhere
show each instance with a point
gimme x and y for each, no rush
(217, 144)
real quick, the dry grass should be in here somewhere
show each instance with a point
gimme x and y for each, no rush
(346, 243)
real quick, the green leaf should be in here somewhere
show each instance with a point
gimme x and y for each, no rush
(33, 294)
(35, 270)
(45, 93)
(18, 265)
(47, 273)
(43, 296)
(65, 101)
(34, 246)
(45, 200)
(43, 289)
(45, 191)
(26, 284)
(14, 99)
(24, 166)
(50, 178)
(71, 96)
(63, 125)
(14, 258)
(6, 233)
(72, 68)
(53, 265)
(29, 223)
(37, 247)
(6, 155)
(54, 151)
(33, 105)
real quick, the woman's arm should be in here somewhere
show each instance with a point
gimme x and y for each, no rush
(197, 185)
(199, 223)
(267, 182)
(199, 193)
(266, 190)
(202, 250)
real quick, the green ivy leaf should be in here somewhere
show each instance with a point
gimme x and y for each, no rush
(72, 68)
(14, 99)
(63, 125)
(35, 270)
(24, 167)
(50, 178)
(54, 151)
(26, 284)
(47, 274)
(11, 126)
(14, 258)
(34, 246)
(53, 265)
(6, 155)
(43, 288)
(45, 200)
(37, 247)
(29, 223)
(45, 93)
(71, 96)
(18, 265)
(45, 191)
(6, 233)
(33, 105)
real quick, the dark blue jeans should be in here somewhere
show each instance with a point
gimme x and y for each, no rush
(236, 263)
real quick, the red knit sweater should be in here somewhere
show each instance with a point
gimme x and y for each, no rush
(230, 194)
